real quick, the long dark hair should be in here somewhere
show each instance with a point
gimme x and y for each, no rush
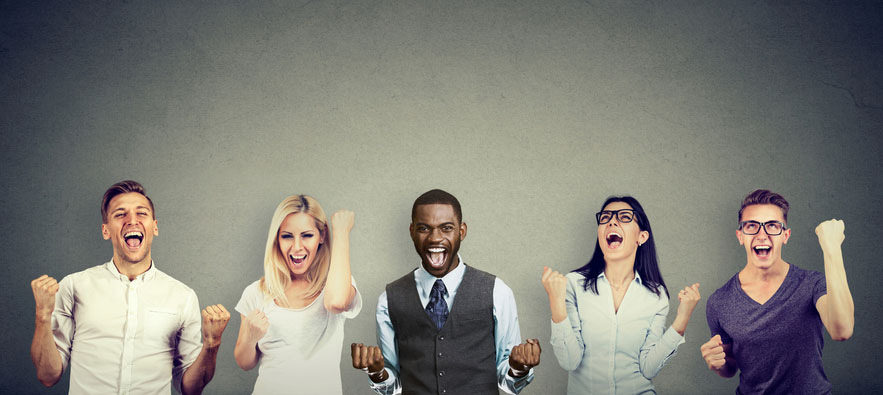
(646, 262)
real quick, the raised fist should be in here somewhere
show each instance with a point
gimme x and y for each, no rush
(44, 288)
(525, 356)
(342, 221)
(713, 353)
(830, 234)
(214, 320)
(256, 325)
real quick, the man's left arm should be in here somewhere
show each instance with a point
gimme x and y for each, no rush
(836, 308)
(514, 360)
(198, 374)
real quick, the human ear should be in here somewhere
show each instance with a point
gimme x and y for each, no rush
(462, 231)
(104, 232)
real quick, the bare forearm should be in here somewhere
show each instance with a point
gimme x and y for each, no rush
(840, 306)
(44, 354)
(559, 310)
(338, 287)
(246, 356)
(198, 375)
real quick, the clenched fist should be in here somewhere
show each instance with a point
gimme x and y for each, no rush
(687, 299)
(214, 320)
(523, 357)
(44, 288)
(714, 354)
(556, 287)
(369, 359)
(342, 221)
(830, 234)
(256, 325)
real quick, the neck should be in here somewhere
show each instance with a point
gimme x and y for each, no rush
(772, 273)
(129, 269)
(620, 272)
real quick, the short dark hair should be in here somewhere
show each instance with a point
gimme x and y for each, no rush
(437, 196)
(120, 188)
(764, 196)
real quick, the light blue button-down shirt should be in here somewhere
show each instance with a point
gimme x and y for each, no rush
(506, 331)
(608, 352)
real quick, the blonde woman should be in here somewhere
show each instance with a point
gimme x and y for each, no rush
(292, 318)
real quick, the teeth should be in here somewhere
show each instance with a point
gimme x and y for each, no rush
(298, 256)
(436, 250)
(762, 247)
(133, 234)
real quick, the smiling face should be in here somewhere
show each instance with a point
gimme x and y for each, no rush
(619, 241)
(130, 227)
(437, 234)
(299, 240)
(764, 251)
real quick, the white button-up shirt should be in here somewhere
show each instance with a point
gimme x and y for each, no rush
(125, 337)
(609, 352)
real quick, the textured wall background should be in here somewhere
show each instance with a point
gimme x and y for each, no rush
(530, 112)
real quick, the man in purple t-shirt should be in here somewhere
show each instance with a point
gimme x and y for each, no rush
(767, 320)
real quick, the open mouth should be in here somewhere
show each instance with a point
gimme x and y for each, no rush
(133, 238)
(614, 240)
(762, 251)
(436, 256)
(297, 259)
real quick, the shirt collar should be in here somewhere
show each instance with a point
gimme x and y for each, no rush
(452, 280)
(148, 275)
(637, 277)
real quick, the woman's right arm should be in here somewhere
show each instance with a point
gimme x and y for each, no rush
(567, 343)
(251, 329)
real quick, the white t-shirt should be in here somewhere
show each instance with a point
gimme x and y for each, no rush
(301, 351)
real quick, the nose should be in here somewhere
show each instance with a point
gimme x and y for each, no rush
(298, 243)
(435, 234)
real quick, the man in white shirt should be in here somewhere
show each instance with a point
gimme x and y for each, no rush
(124, 326)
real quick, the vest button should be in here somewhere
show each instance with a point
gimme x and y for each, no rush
(442, 373)
(441, 338)
(439, 355)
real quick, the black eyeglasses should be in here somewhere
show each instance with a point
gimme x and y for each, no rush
(624, 216)
(772, 228)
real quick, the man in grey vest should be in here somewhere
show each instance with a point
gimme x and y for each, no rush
(429, 344)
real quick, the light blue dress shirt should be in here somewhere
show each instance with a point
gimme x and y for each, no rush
(608, 352)
(506, 331)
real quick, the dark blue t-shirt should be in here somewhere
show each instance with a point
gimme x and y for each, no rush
(778, 344)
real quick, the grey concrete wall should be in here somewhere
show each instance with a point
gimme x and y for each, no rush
(530, 112)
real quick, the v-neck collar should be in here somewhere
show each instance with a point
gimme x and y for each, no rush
(773, 296)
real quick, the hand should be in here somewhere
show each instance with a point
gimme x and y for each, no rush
(370, 360)
(555, 284)
(256, 326)
(687, 299)
(44, 288)
(214, 320)
(713, 352)
(523, 357)
(342, 221)
(556, 287)
(830, 234)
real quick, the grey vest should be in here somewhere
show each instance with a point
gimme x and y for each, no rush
(458, 359)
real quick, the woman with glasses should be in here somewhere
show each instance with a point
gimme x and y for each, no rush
(608, 316)
(292, 318)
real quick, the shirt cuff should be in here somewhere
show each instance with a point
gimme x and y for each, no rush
(386, 384)
(559, 330)
(672, 339)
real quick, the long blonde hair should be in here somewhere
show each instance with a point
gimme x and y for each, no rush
(277, 276)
